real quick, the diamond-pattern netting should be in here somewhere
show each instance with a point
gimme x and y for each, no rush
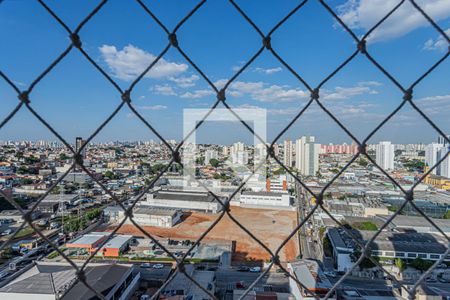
(75, 35)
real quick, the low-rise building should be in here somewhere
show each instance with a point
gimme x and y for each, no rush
(181, 285)
(150, 216)
(439, 182)
(46, 281)
(406, 245)
(310, 274)
(90, 242)
(184, 200)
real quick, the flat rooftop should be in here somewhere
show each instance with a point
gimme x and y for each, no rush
(60, 278)
(310, 274)
(267, 194)
(392, 241)
(152, 211)
(117, 241)
(90, 238)
(413, 221)
(190, 196)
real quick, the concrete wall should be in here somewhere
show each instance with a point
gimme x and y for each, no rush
(278, 200)
(213, 207)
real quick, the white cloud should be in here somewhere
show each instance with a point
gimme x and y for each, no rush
(261, 91)
(130, 62)
(153, 107)
(165, 90)
(435, 105)
(434, 100)
(363, 14)
(186, 81)
(276, 93)
(340, 93)
(268, 71)
(370, 83)
(439, 43)
(197, 94)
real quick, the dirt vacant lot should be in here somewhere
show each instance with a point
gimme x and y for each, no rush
(270, 226)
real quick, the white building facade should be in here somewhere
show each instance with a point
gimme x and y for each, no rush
(384, 152)
(265, 199)
(307, 156)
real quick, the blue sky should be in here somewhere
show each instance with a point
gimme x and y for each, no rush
(123, 40)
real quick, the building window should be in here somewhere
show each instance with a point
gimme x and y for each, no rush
(435, 256)
(399, 254)
(377, 253)
(422, 255)
(412, 255)
(389, 253)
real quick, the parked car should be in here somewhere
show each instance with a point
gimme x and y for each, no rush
(146, 265)
(158, 266)
(6, 232)
(255, 269)
(243, 269)
(330, 274)
(54, 225)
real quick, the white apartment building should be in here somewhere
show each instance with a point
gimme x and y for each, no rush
(307, 156)
(384, 152)
(288, 155)
(434, 152)
(444, 167)
(210, 154)
(260, 153)
(239, 158)
(277, 185)
(148, 216)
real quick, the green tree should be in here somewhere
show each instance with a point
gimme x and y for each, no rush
(63, 156)
(156, 168)
(200, 160)
(365, 225)
(421, 264)
(110, 174)
(400, 264)
(365, 263)
(363, 162)
(447, 214)
(214, 162)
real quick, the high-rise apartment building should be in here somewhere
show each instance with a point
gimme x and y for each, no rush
(432, 156)
(307, 156)
(434, 152)
(210, 154)
(259, 154)
(444, 167)
(442, 140)
(79, 142)
(384, 152)
(287, 155)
